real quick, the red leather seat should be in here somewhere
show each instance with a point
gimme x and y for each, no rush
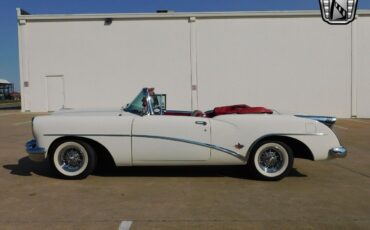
(229, 109)
(237, 109)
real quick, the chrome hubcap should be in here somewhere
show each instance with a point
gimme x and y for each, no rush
(271, 160)
(71, 159)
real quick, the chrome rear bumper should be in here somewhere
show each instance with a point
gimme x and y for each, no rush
(35, 153)
(337, 152)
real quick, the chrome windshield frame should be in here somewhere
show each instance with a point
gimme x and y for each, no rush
(149, 101)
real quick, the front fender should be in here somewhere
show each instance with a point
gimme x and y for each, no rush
(320, 144)
(113, 132)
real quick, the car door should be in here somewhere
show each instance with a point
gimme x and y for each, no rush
(170, 140)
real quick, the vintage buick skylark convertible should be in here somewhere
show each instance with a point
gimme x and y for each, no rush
(146, 133)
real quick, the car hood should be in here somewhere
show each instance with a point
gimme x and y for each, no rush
(92, 112)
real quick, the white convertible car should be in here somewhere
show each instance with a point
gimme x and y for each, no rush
(146, 133)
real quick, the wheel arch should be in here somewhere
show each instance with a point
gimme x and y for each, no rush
(103, 154)
(300, 149)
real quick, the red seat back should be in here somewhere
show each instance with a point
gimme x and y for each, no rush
(237, 109)
(229, 109)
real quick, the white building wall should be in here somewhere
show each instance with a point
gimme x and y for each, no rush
(106, 66)
(295, 65)
(291, 62)
(361, 60)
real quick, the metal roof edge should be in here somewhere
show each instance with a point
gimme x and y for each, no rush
(169, 15)
(23, 15)
(363, 12)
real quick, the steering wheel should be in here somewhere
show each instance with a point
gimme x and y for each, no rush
(157, 109)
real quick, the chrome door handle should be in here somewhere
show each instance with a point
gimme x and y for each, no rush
(201, 123)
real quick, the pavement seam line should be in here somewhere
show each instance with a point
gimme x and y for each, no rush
(324, 220)
(360, 121)
(340, 127)
(7, 114)
(21, 123)
(351, 170)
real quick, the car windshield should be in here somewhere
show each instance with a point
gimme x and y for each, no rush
(138, 105)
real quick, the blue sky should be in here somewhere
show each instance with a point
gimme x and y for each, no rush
(8, 25)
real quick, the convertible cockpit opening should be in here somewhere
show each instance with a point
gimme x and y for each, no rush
(147, 102)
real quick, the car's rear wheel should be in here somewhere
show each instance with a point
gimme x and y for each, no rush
(271, 160)
(72, 159)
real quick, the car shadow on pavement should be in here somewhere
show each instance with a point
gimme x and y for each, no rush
(170, 171)
(26, 167)
(239, 172)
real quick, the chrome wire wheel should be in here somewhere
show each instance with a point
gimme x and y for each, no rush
(71, 158)
(271, 159)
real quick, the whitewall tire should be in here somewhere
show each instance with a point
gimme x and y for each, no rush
(72, 159)
(271, 160)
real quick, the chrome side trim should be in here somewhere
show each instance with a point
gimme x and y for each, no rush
(228, 151)
(300, 134)
(328, 121)
(87, 135)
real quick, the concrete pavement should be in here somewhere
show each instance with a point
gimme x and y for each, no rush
(327, 194)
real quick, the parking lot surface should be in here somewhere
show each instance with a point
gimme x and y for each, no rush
(331, 194)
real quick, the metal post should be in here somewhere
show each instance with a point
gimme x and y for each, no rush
(193, 64)
(353, 70)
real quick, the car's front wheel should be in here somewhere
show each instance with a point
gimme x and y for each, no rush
(271, 160)
(72, 159)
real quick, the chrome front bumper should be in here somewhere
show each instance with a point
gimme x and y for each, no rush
(337, 152)
(35, 153)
